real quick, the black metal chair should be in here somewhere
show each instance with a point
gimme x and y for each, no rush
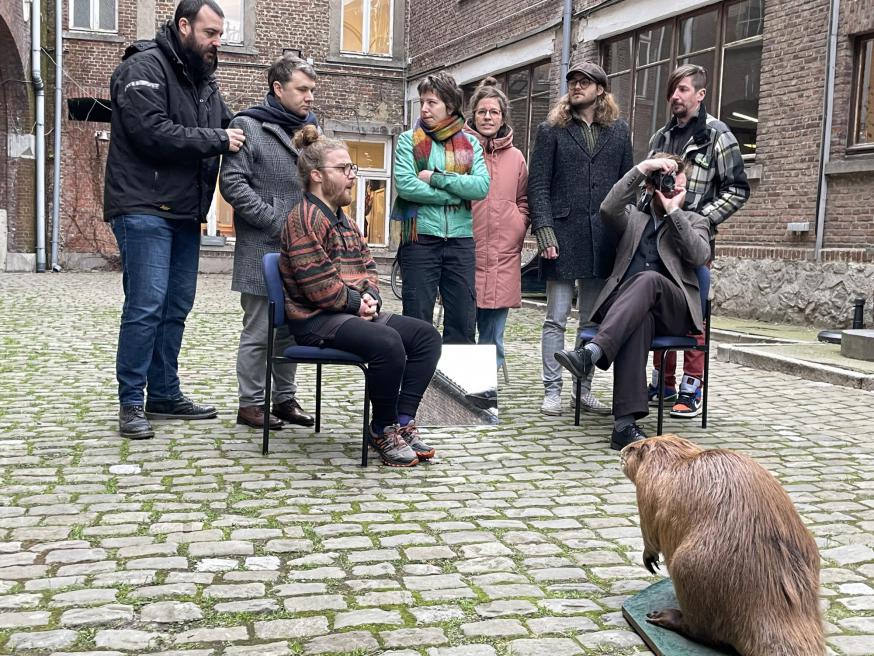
(303, 355)
(664, 344)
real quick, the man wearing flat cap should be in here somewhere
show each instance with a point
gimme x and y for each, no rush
(581, 150)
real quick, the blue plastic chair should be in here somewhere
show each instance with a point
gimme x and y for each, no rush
(664, 344)
(303, 355)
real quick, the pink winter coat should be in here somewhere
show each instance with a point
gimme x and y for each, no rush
(500, 222)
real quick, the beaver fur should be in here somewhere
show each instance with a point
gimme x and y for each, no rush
(744, 567)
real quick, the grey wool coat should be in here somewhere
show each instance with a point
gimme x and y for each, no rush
(566, 185)
(262, 185)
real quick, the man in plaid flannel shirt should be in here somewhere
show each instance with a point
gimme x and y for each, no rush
(716, 188)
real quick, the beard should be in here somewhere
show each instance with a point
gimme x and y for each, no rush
(201, 61)
(336, 192)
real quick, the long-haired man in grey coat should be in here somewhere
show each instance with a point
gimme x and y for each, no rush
(261, 184)
(581, 151)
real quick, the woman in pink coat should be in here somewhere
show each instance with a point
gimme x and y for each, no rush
(500, 220)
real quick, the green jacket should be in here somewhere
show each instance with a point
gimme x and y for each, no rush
(443, 211)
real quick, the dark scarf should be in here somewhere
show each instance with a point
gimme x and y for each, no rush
(272, 111)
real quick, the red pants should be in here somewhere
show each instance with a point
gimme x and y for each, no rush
(693, 363)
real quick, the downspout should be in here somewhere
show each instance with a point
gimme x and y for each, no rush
(39, 88)
(56, 178)
(566, 17)
(828, 110)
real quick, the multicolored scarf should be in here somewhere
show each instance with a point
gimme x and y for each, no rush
(458, 159)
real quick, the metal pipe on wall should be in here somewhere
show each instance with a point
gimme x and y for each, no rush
(566, 17)
(827, 111)
(56, 177)
(39, 88)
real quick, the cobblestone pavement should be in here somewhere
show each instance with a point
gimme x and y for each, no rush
(519, 539)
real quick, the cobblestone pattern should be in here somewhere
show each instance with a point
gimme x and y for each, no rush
(518, 539)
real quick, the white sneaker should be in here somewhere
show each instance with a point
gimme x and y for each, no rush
(591, 404)
(551, 405)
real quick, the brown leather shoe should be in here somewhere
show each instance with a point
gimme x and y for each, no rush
(253, 415)
(291, 412)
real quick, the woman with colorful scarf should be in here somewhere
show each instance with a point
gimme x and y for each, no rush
(438, 170)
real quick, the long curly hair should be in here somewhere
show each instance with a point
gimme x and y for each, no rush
(606, 111)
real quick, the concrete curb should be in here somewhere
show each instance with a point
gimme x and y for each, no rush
(748, 356)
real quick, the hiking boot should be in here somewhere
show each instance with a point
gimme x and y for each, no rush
(392, 448)
(411, 436)
(551, 404)
(132, 423)
(179, 408)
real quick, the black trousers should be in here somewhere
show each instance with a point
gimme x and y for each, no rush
(433, 264)
(401, 357)
(645, 305)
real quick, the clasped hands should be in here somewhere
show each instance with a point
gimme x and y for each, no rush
(368, 308)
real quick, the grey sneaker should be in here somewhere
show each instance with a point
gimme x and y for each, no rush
(392, 448)
(591, 404)
(411, 436)
(551, 404)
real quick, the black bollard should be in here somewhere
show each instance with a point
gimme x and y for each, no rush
(859, 313)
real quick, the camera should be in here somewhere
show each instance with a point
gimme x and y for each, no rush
(665, 183)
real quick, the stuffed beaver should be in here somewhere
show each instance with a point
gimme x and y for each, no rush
(744, 567)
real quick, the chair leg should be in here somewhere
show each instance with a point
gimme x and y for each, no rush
(705, 390)
(578, 387)
(318, 397)
(265, 438)
(661, 395)
(365, 438)
(506, 375)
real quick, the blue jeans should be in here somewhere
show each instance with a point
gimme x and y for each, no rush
(491, 323)
(159, 263)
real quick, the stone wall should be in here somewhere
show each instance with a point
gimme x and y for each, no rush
(792, 291)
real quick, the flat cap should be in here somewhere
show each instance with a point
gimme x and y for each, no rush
(592, 71)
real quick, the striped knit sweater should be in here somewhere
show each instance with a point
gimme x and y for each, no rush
(324, 262)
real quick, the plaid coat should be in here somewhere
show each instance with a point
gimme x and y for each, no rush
(717, 183)
(261, 184)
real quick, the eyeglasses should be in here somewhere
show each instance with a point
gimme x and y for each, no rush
(347, 168)
(581, 82)
(488, 112)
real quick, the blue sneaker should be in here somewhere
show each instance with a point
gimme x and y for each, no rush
(653, 394)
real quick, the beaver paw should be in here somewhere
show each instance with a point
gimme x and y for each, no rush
(667, 618)
(651, 562)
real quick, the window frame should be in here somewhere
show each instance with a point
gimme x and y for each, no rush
(243, 19)
(364, 174)
(857, 96)
(93, 17)
(365, 32)
(503, 79)
(713, 100)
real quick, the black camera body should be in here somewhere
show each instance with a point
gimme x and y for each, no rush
(664, 182)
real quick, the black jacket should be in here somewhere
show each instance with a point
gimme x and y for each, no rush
(167, 134)
(566, 185)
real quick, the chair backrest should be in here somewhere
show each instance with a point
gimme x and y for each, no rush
(703, 273)
(275, 290)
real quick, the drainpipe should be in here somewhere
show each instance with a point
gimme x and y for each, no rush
(566, 16)
(828, 110)
(59, 88)
(39, 88)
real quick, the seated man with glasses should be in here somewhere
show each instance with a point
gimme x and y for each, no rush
(332, 299)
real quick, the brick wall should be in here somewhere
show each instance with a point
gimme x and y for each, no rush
(345, 92)
(16, 117)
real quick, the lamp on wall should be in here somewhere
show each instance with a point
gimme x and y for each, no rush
(101, 135)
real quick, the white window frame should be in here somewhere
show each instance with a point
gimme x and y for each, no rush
(365, 174)
(242, 40)
(93, 18)
(365, 31)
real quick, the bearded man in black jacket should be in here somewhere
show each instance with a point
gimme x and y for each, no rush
(169, 127)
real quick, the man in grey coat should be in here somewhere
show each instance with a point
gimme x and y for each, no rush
(653, 289)
(580, 152)
(261, 184)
